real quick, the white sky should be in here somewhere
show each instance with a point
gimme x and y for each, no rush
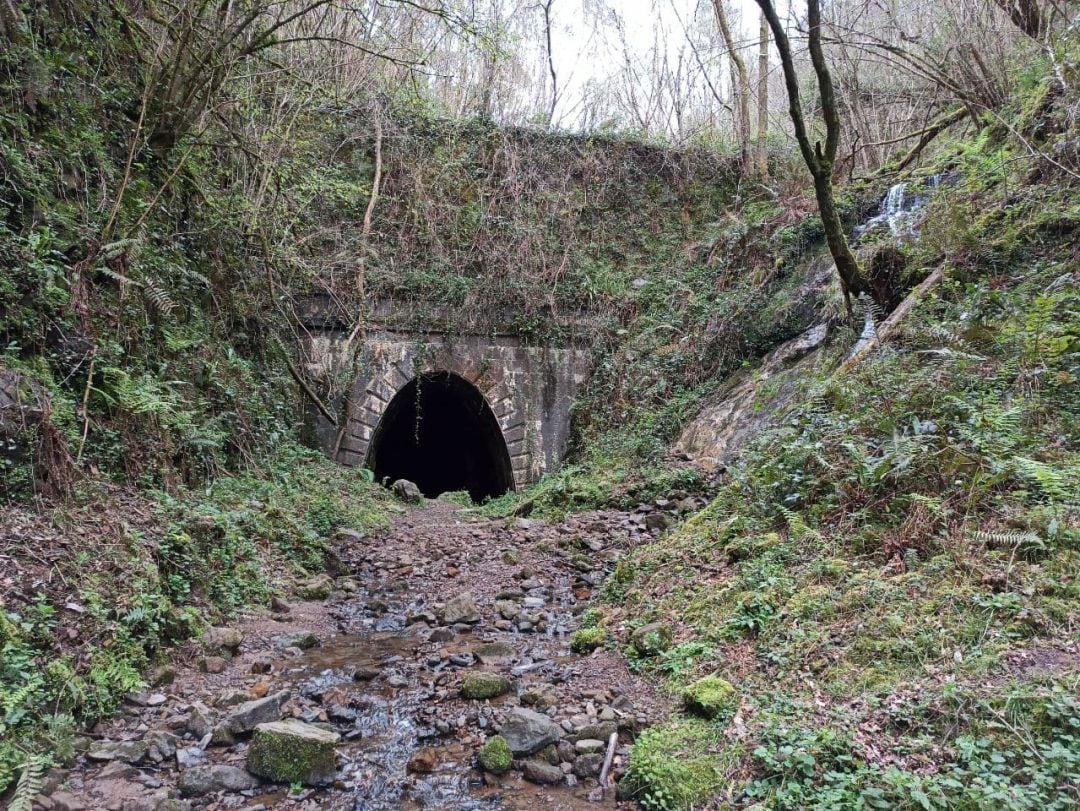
(583, 54)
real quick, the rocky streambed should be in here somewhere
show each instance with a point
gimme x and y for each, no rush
(430, 668)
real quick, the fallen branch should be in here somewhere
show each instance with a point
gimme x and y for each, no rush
(610, 756)
(890, 324)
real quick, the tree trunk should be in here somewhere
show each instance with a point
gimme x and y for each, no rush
(742, 90)
(1026, 15)
(763, 101)
(819, 160)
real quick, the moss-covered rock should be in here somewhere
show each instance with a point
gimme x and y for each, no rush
(291, 751)
(496, 756)
(482, 684)
(673, 766)
(315, 588)
(586, 640)
(652, 639)
(710, 697)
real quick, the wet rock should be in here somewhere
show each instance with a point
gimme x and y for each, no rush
(588, 765)
(224, 639)
(366, 673)
(586, 745)
(250, 714)
(494, 653)
(299, 639)
(652, 639)
(317, 587)
(537, 771)
(407, 491)
(199, 720)
(527, 731)
(483, 685)
(461, 608)
(262, 665)
(441, 635)
(162, 745)
(292, 751)
(423, 762)
(189, 757)
(133, 752)
(203, 780)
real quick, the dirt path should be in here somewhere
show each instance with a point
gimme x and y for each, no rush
(410, 616)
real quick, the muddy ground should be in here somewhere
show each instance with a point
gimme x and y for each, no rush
(381, 661)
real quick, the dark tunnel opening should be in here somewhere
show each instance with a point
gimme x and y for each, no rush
(440, 433)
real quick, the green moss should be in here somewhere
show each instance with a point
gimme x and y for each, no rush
(495, 756)
(481, 685)
(674, 766)
(586, 640)
(293, 752)
(710, 697)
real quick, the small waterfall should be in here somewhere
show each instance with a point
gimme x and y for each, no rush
(899, 210)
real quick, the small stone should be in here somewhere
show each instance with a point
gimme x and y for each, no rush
(423, 762)
(259, 689)
(202, 780)
(133, 752)
(262, 665)
(165, 674)
(291, 751)
(461, 608)
(224, 639)
(507, 609)
(299, 639)
(481, 685)
(189, 757)
(250, 714)
(537, 771)
(494, 653)
(279, 605)
(407, 491)
(588, 765)
(587, 745)
(213, 664)
(199, 720)
(317, 587)
(652, 639)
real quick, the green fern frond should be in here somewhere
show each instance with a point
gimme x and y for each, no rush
(1009, 540)
(1058, 483)
(30, 783)
(159, 299)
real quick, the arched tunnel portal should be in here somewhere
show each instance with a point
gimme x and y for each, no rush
(439, 432)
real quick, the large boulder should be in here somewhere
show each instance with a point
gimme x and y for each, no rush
(291, 751)
(527, 731)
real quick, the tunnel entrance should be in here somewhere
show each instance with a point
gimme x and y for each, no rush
(439, 432)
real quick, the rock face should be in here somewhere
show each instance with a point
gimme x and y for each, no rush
(203, 780)
(292, 751)
(527, 731)
(407, 491)
(484, 685)
(737, 415)
(461, 609)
